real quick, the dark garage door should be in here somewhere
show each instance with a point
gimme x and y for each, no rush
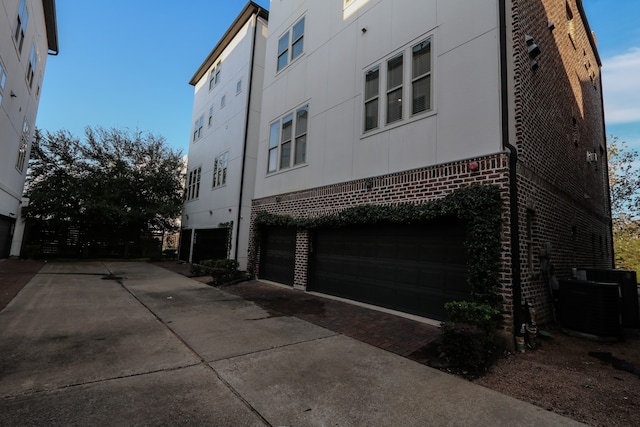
(211, 243)
(277, 255)
(414, 269)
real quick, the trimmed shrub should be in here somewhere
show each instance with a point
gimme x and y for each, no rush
(222, 270)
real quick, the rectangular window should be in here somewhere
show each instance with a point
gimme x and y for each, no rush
(214, 76)
(3, 80)
(21, 25)
(223, 101)
(285, 142)
(31, 67)
(197, 128)
(210, 122)
(415, 64)
(239, 87)
(302, 118)
(220, 170)
(421, 77)
(22, 149)
(192, 189)
(292, 41)
(297, 43)
(371, 98)
(274, 132)
(288, 140)
(394, 88)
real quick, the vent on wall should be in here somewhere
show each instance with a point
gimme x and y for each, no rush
(592, 157)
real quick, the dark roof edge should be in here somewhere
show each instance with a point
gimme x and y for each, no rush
(49, 7)
(249, 10)
(590, 35)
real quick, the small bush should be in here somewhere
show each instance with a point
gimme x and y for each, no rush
(222, 270)
(465, 346)
(467, 339)
(483, 316)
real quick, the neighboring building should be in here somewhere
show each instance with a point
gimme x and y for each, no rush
(405, 101)
(223, 149)
(28, 32)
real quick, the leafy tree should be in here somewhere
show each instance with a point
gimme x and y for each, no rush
(125, 184)
(624, 182)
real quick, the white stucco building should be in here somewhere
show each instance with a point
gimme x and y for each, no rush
(223, 148)
(28, 34)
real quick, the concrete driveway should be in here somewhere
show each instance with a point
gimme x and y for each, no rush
(134, 344)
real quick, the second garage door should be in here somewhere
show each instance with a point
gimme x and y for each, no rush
(414, 269)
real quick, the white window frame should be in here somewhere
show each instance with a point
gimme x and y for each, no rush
(32, 66)
(210, 120)
(214, 76)
(20, 28)
(287, 48)
(23, 147)
(192, 185)
(407, 89)
(288, 144)
(220, 166)
(239, 86)
(197, 128)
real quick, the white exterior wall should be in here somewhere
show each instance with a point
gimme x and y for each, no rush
(227, 133)
(24, 106)
(329, 76)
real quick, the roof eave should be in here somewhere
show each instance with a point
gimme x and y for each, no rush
(51, 24)
(249, 10)
(590, 35)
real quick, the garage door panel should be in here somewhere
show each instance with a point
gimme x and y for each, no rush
(277, 255)
(415, 269)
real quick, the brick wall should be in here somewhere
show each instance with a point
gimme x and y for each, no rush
(415, 186)
(564, 199)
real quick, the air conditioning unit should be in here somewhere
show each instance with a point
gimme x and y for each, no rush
(630, 306)
(590, 307)
(592, 157)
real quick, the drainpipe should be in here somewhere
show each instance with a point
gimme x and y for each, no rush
(246, 127)
(516, 281)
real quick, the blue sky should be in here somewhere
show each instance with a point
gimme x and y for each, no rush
(127, 63)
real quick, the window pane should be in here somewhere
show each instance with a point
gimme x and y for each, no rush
(273, 160)
(283, 60)
(422, 58)
(297, 48)
(301, 121)
(371, 115)
(372, 83)
(421, 95)
(273, 135)
(394, 73)
(285, 155)
(283, 43)
(287, 124)
(301, 149)
(298, 30)
(394, 106)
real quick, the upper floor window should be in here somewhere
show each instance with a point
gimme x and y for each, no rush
(210, 122)
(412, 65)
(31, 67)
(197, 128)
(220, 170)
(239, 87)
(24, 145)
(223, 101)
(3, 80)
(288, 140)
(192, 187)
(214, 76)
(21, 25)
(291, 44)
